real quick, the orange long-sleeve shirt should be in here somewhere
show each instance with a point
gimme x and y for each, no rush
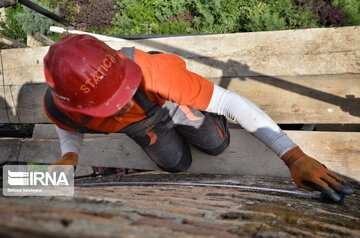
(165, 77)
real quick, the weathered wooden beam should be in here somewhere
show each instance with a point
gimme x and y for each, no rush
(25, 103)
(9, 149)
(302, 99)
(295, 52)
(297, 99)
(25, 65)
(3, 107)
(43, 39)
(6, 40)
(245, 155)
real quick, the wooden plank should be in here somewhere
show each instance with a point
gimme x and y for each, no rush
(6, 40)
(245, 155)
(294, 52)
(26, 103)
(23, 65)
(10, 149)
(43, 39)
(3, 106)
(303, 99)
(98, 151)
(11, 104)
(294, 99)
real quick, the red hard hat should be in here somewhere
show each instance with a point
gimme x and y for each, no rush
(87, 76)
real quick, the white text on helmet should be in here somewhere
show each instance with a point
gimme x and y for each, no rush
(99, 75)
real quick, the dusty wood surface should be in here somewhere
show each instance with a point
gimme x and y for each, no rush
(9, 149)
(179, 211)
(43, 39)
(25, 103)
(270, 53)
(303, 99)
(298, 99)
(3, 108)
(279, 53)
(296, 52)
(6, 40)
(245, 155)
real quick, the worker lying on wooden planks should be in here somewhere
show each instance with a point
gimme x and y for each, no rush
(161, 105)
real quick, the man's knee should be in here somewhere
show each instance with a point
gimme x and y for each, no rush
(219, 137)
(220, 148)
(184, 162)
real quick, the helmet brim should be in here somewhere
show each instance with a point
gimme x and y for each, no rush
(119, 99)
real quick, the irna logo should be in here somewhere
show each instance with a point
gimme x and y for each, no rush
(37, 178)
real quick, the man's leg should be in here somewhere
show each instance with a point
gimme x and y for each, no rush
(166, 147)
(208, 131)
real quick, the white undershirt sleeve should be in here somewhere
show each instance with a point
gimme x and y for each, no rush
(251, 118)
(70, 141)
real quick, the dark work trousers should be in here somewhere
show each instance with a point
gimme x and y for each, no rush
(167, 142)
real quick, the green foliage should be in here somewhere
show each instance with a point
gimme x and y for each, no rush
(11, 28)
(184, 16)
(216, 16)
(33, 22)
(21, 21)
(251, 15)
(175, 27)
(152, 17)
(352, 10)
(50, 3)
(208, 16)
(274, 15)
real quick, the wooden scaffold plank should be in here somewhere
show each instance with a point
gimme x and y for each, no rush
(245, 155)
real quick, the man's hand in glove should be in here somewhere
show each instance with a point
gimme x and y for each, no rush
(311, 175)
(69, 158)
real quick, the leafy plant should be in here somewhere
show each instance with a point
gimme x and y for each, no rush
(115, 17)
(327, 14)
(94, 14)
(11, 27)
(33, 22)
(351, 8)
(208, 16)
